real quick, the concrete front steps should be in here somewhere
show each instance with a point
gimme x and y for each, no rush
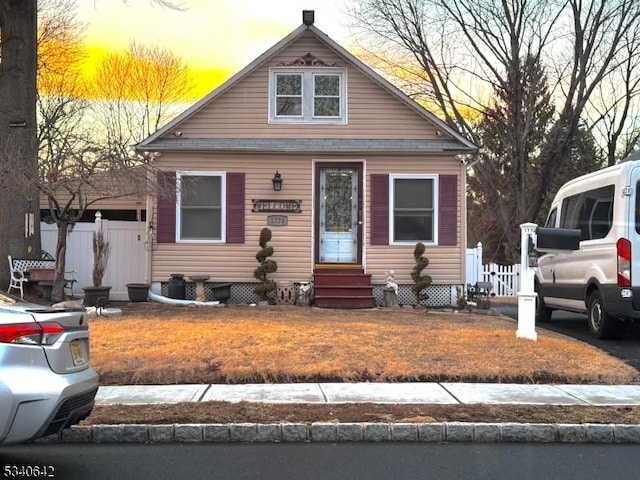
(343, 287)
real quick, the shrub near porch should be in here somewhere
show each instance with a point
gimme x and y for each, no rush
(158, 344)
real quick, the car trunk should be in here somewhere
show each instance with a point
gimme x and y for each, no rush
(70, 351)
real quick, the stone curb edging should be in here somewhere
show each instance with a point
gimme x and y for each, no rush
(349, 432)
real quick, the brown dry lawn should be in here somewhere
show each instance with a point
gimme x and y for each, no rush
(158, 344)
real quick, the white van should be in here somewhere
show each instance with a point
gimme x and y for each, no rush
(602, 277)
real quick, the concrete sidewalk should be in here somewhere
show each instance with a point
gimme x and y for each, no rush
(390, 393)
(328, 431)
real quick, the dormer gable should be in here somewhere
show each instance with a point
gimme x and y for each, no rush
(304, 87)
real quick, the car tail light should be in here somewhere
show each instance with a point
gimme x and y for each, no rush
(623, 247)
(31, 333)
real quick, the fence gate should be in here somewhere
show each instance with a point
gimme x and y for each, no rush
(126, 262)
(505, 279)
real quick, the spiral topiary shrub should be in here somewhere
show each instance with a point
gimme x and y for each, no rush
(267, 266)
(421, 282)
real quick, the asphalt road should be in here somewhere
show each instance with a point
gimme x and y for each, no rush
(370, 461)
(626, 346)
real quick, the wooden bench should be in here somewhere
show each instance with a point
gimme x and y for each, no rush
(26, 264)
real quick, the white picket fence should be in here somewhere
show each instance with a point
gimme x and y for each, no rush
(504, 279)
(126, 262)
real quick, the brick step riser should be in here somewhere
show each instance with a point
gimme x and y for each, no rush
(320, 280)
(345, 302)
(339, 271)
(343, 291)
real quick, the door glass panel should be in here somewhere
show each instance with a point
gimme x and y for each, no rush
(338, 215)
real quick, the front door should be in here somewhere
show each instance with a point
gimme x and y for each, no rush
(339, 213)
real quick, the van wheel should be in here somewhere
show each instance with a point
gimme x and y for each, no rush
(543, 313)
(601, 324)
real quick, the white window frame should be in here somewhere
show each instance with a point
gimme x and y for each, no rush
(409, 176)
(308, 95)
(223, 206)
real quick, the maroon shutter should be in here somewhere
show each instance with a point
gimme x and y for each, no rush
(235, 207)
(379, 209)
(448, 210)
(166, 221)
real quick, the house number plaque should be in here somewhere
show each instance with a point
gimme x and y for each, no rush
(277, 220)
(285, 206)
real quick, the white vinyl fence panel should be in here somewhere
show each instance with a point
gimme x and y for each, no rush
(126, 262)
(474, 264)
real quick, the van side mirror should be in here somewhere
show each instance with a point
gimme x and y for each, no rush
(557, 239)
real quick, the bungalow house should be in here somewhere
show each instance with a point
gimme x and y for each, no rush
(346, 171)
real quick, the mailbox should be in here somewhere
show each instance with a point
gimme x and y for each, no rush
(557, 239)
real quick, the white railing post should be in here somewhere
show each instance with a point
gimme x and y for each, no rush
(479, 262)
(527, 295)
(98, 221)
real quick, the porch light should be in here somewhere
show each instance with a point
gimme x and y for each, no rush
(277, 182)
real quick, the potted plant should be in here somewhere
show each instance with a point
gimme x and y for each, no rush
(138, 292)
(98, 295)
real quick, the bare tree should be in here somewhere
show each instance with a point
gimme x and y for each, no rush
(138, 92)
(79, 165)
(460, 50)
(611, 112)
(76, 168)
(18, 149)
(17, 131)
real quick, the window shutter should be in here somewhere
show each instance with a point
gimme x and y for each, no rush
(235, 207)
(166, 221)
(379, 210)
(448, 210)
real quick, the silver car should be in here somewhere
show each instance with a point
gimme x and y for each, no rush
(46, 383)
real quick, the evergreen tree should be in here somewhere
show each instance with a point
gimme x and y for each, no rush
(266, 267)
(420, 282)
(515, 133)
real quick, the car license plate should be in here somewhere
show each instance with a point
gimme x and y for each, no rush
(77, 353)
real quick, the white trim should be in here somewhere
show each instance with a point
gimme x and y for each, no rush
(308, 95)
(223, 205)
(435, 178)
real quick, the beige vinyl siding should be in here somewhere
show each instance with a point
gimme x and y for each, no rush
(446, 263)
(121, 203)
(236, 262)
(242, 111)
(293, 244)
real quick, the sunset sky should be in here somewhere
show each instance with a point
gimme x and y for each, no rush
(215, 37)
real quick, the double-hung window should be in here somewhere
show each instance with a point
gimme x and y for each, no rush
(201, 209)
(413, 203)
(307, 95)
(288, 95)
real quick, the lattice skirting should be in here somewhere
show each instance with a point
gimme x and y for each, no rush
(242, 293)
(439, 295)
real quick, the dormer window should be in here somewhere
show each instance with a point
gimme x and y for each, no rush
(307, 95)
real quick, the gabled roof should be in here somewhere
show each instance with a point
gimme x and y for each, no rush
(463, 143)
